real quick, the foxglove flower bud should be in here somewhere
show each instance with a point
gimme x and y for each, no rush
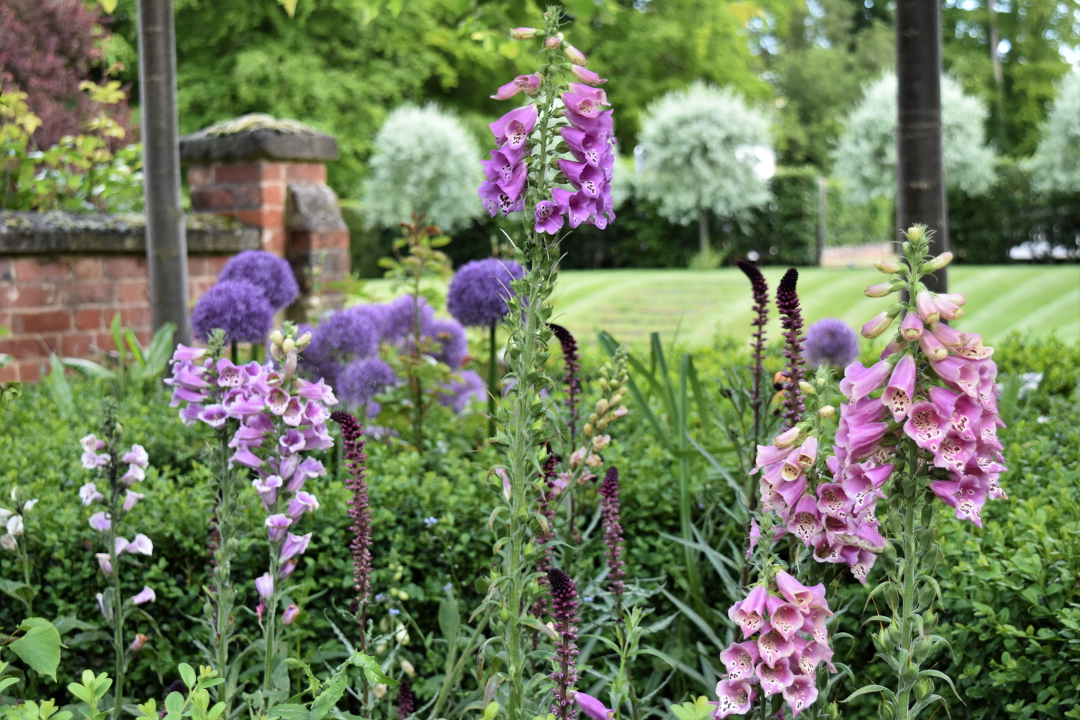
(586, 76)
(879, 291)
(523, 33)
(948, 310)
(574, 55)
(264, 584)
(933, 347)
(912, 327)
(138, 643)
(145, 595)
(104, 562)
(879, 324)
(927, 308)
(888, 267)
(937, 263)
(290, 614)
(552, 43)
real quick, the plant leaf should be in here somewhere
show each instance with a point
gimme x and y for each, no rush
(39, 647)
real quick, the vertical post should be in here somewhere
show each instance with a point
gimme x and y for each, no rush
(821, 196)
(703, 230)
(920, 175)
(166, 239)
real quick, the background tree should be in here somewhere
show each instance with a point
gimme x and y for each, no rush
(1056, 164)
(865, 156)
(47, 49)
(701, 154)
(424, 162)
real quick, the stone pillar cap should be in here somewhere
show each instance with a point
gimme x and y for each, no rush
(257, 136)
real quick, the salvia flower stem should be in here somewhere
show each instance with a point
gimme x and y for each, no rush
(564, 613)
(787, 305)
(613, 540)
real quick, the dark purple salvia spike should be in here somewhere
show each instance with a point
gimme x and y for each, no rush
(564, 613)
(573, 382)
(544, 537)
(787, 304)
(609, 499)
(352, 434)
(406, 700)
(760, 290)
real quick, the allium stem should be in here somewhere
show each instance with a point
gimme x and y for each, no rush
(564, 613)
(787, 304)
(609, 493)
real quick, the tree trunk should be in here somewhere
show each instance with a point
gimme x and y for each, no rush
(166, 239)
(999, 77)
(821, 210)
(703, 230)
(920, 175)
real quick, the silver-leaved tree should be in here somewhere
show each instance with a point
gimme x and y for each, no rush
(705, 149)
(425, 161)
(865, 157)
(1056, 163)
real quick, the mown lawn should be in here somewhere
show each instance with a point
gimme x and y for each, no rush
(698, 304)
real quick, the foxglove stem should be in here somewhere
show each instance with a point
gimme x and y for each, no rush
(492, 378)
(111, 432)
(222, 593)
(787, 305)
(526, 356)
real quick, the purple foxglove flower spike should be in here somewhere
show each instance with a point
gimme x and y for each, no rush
(564, 614)
(144, 596)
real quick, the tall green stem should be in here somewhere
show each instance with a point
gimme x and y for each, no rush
(114, 559)
(222, 593)
(492, 380)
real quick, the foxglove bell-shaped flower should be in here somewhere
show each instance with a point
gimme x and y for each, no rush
(775, 678)
(926, 307)
(288, 617)
(512, 130)
(734, 697)
(144, 596)
(131, 498)
(88, 493)
(528, 84)
(800, 694)
(104, 562)
(592, 707)
(100, 521)
(276, 526)
(860, 381)
(264, 585)
(294, 545)
(877, 325)
(900, 391)
(911, 329)
(747, 613)
(586, 76)
(136, 456)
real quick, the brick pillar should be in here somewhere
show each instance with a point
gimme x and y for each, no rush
(271, 174)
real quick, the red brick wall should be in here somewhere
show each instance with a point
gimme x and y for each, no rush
(64, 304)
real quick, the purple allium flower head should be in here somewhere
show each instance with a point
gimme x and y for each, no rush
(362, 380)
(401, 316)
(266, 271)
(352, 434)
(564, 612)
(458, 393)
(406, 700)
(478, 293)
(347, 334)
(454, 346)
(831, 342)
(375, 314)
(237, 307)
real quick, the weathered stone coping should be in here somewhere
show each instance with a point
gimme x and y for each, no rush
(70, 233)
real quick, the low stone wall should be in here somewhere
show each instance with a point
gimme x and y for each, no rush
(64, 276)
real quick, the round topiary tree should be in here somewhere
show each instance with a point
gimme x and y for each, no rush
(1055, 166)
(704, 150)
(865, 156)
(425, 161)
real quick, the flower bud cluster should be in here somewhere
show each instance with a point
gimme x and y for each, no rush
(786, 620)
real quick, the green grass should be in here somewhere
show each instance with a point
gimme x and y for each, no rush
(698, 304)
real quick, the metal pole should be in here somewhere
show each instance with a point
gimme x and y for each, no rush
(166, 239)
(920, 174)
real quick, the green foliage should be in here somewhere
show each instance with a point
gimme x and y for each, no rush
(866, 153)
(1056, 163)
(79, 173)
(38, 646)
(425, 162)
(699, 147)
